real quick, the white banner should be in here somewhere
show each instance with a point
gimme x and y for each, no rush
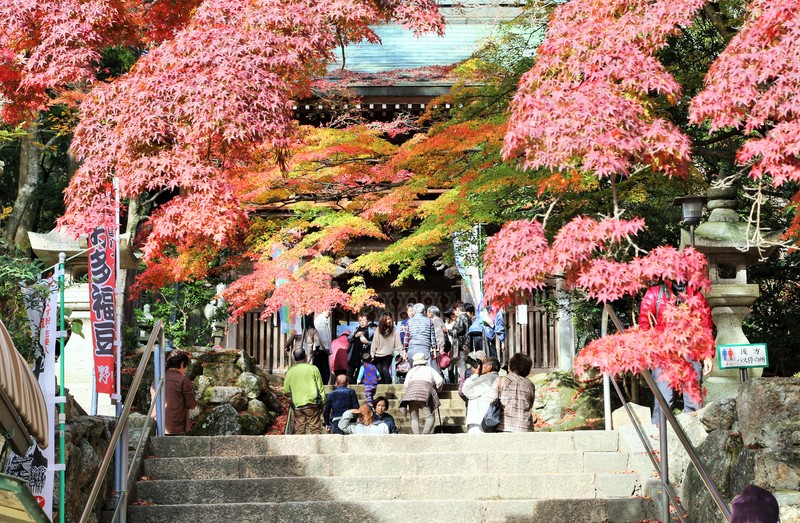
(37, 467)
(467, 250)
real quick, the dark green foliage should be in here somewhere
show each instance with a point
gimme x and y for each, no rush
(14, 269)
(774, 315)
(181, 308)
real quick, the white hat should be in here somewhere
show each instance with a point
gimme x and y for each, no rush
(419, 359)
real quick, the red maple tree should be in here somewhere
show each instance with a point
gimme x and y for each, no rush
(202, 110)
(590, 104)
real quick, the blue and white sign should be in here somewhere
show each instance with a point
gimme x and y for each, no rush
(742, 356)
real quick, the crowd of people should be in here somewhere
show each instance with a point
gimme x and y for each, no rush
(444, 339)
(339, 411)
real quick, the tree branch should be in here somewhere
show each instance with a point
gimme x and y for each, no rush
(719, 138)
(711, 10)
(713, 153)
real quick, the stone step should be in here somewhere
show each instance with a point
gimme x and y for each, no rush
(390, 511)
(554, 477)
(453, 405)
(445, 420)
(578, 485)
(398, 397)
(394, 387)
(208, 446)
(422, 463)
(397, 391)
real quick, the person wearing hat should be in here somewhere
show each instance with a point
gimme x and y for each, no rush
(755, 505)
(422, 384)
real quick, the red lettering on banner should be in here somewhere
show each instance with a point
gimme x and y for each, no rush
(102, 282)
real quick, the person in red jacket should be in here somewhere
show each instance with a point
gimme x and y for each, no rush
(650, 314)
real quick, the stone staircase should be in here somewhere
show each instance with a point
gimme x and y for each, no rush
(538, 477)
(450, 418)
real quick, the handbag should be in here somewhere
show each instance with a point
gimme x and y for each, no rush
(494, 414)
(403, 367)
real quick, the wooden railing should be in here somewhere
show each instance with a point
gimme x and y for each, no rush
(264, 342)
(538, 338)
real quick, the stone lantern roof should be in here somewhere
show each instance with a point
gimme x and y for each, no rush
(47, 245)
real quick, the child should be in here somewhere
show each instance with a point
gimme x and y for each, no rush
(369, 375)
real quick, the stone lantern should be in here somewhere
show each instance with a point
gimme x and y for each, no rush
(723, 240)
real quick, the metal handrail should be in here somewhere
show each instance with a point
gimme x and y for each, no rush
(122, 422)
(668, 491)
(123, 499)
(676, 426)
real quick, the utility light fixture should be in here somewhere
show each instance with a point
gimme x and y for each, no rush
(692, 207)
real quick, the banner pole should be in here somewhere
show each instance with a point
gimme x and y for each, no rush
(62, 417)
(121, 455)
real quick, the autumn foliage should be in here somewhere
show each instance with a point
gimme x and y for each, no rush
(520, 259)
(207, 108)
(202, 126)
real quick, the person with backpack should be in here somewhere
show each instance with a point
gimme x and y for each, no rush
(462, 347)
(651, 313)
(369, 376)
(478, 389)
(360, 341)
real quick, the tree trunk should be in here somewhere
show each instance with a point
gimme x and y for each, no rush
(30, 174)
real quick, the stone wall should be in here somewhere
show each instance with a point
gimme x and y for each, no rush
(753, 438)
(86, 439)
(234, 395)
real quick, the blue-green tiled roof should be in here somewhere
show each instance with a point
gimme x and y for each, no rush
(400, 49)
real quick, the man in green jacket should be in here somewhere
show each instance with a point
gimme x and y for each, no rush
(303, 384)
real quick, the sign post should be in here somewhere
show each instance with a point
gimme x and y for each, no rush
(742, 356)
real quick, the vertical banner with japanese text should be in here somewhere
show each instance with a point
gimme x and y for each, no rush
(102, 283)
(37, 467)
(467, 250)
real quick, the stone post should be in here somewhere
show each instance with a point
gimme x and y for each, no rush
(723, 239)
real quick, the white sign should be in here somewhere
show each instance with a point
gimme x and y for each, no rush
(37, 467)
(522, 314)
(742, 356)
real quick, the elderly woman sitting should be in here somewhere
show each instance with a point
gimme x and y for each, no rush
(365, 422)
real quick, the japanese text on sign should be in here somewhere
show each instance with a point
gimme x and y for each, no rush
(742, 356)
(102, 282)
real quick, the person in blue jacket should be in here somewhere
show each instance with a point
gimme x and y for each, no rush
(339, 400)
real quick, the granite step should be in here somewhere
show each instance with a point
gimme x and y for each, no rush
(209, 446)
(553, 477)
(618, 510)
(574, 485)
(490, 461)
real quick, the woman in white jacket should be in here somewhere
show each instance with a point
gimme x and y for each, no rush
(478, 389)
